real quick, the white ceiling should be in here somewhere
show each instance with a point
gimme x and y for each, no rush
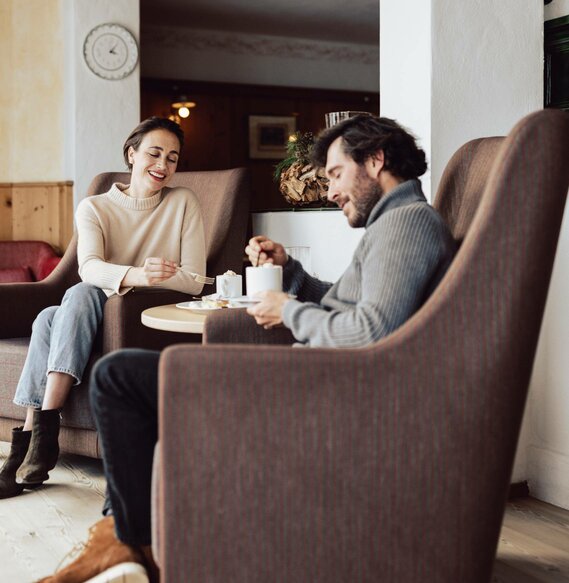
(354, 21)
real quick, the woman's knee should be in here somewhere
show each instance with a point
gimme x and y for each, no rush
(45, 318)
(83, 292)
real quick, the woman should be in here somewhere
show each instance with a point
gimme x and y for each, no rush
(134, 235)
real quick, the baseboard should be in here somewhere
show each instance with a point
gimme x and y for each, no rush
(518, 490)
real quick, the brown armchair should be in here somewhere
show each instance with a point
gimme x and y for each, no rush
(389, 463)
(224, 199)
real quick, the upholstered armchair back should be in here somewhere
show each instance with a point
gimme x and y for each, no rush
(387, 463)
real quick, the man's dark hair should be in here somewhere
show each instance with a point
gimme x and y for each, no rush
(147, 126)
(362, 137)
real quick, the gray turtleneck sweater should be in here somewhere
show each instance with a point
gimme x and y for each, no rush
(401, 258)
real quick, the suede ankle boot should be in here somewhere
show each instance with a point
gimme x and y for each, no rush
(20, 444)
(43, 451)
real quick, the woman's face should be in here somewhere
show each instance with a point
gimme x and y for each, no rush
(154, 162)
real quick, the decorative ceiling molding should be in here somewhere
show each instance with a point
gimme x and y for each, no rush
(255, 45)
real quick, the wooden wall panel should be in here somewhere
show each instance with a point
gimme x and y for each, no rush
(41, 211)
(217, 129)
(5, 212)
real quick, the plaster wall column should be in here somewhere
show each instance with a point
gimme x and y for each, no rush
(100, 113)
(453, 71)
(548, 412)
(459, 70)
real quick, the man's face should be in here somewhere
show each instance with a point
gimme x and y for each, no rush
(352, 186)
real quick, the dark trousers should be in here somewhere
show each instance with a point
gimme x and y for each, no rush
(124, 400)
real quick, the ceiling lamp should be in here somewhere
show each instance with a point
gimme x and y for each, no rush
(182, 106)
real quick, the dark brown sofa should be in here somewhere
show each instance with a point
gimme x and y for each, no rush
(224, 199)
(390, 463)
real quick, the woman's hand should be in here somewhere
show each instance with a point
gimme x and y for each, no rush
(263, 250)
(154, 271)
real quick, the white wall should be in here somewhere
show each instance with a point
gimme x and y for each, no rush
(100, 113)
(556, 9)
(183, 53)
(548, 413)
(331, 240)
(462, 70)
(405, 69)
(459, 71)
(546, 427)
(486, 80)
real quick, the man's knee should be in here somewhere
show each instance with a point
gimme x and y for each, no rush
(119, 372)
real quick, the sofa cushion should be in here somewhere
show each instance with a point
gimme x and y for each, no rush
(46, 266)
(13, 351)
(16, 274)
(38, 255)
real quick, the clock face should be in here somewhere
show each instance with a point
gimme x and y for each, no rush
(111, 51)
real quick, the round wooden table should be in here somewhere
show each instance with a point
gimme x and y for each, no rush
(173, 319)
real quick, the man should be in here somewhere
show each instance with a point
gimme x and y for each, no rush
(373, 166)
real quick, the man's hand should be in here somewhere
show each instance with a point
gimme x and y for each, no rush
(269, 312)
(262, 250)
(155, 270)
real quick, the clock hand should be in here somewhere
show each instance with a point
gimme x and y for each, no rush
(112, 51)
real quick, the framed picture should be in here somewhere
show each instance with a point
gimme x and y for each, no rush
(268, 135)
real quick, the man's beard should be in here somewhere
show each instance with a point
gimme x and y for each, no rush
(368, 194)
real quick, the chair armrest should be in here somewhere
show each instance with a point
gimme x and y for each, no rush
(307, 464)
(20, 303)
(235, 326)
(122, 327)
(268, 462)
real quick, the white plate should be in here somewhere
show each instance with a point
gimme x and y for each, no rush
(245, 300)
(197, 307)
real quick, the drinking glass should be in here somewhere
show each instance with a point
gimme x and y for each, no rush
(336, 117)
(301, 254)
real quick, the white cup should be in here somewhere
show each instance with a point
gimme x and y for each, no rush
(229, 286)
(264, 278)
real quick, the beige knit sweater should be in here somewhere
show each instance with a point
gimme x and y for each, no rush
(117, 232)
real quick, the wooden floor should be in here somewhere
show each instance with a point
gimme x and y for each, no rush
(38, 528)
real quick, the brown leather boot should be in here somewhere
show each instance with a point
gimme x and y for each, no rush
(43, 451)
(104, 559)
(20, 443)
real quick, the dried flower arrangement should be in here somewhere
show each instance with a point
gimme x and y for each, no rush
(299, 182)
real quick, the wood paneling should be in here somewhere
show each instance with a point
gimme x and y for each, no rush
(217, 129)
(41, 211)
(5, 212)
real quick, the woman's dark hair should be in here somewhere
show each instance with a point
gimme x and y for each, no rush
(147, 126)
(362, 137)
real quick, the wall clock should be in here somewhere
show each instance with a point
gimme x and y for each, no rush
(111, 51)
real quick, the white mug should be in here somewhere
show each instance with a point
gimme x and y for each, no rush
(267, 277)
(229, 286)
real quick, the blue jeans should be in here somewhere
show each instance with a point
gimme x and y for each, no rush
(62, 341)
